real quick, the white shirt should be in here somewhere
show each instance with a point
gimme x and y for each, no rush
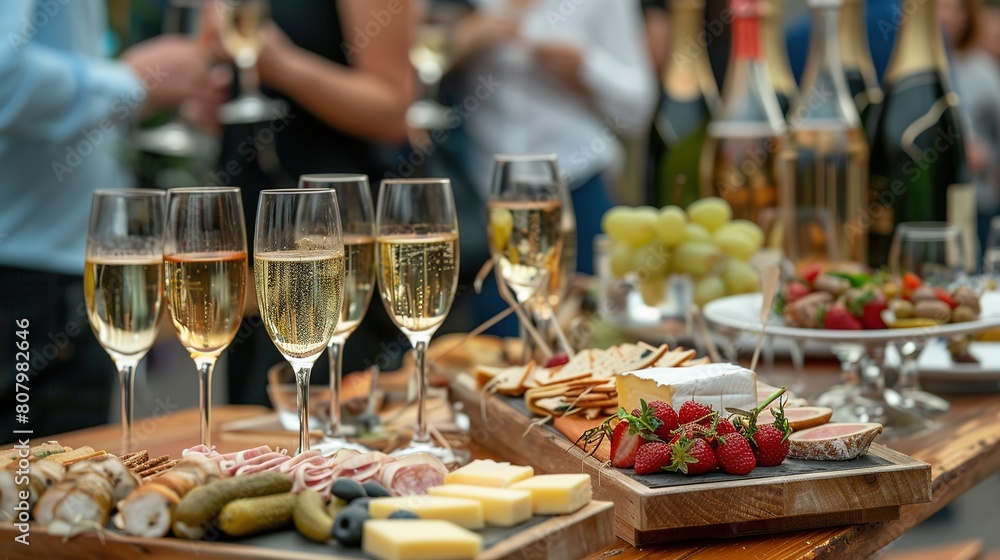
(525, 110)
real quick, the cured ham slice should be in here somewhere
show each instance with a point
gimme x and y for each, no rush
(413, 474)
(363, 466)
(833, 441)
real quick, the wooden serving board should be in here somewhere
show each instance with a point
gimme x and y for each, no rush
(565, 536)
(717, 505)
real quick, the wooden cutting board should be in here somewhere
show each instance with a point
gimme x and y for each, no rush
(670, 507)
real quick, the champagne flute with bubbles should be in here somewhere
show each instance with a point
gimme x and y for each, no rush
(417, 267)
(123, 281)
(354, 201)
(205, 274)
(299, 271)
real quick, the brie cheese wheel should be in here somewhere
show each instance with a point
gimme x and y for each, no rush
(718, 385)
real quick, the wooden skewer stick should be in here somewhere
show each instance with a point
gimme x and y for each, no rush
(769, 276)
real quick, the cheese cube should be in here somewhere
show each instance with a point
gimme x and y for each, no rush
(501, 506)
(485, 472)
(462, 511)
(554, 494)
(418, 539)
(718, 385)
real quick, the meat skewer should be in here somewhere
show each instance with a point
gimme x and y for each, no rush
(148, 511)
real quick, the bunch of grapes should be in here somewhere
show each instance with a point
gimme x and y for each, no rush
(704, 243)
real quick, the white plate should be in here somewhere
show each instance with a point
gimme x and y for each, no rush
(743, 312)
(936, 363)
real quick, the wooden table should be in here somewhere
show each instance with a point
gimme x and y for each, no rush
(963, 449)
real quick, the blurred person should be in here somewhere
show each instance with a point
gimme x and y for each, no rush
(977, 82)
(657, 24)
(554, 76)
(63, 107)
(342, 67)
(989, 28)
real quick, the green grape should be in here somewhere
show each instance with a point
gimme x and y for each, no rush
(750, 228)
(711, 212)
(651, 261)
(696, 258)
(670, 225)
(696, 233)
(735, 242)
(642, 226)
(622, 257)
(616, 223)
(652, 290)
(709, 288)
(502, 223)
(740, 277)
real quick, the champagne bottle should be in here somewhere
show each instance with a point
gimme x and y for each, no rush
(825, 164)
(858, 66)
(690, 98)
(918, 166)
(739, 160)
(776, 51)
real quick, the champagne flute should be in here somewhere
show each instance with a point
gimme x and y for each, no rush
(357, 220)
(240, 22)
(299, 271)
(123, 281)
(525, 210)
(205, 271)
(934, 251)
(417, 266)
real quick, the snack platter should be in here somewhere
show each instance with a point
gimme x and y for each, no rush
(567, 536)
(263, 503)
(796, 494)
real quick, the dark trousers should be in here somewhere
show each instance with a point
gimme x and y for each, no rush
(70, 374)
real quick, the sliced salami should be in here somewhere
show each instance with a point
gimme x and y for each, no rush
(362, 467)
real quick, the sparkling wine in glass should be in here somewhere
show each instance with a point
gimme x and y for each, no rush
(240, 23)
(205, 272)
(357, 218)
(417, 269)
(525, 229)
(299, 271)
(123, 281)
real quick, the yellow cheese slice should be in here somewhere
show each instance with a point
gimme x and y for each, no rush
(418, 539)
(485, 472)
(462, 511)
(501, 506)
(555, 494)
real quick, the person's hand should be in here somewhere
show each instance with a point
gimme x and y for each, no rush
(202, 110)
(562, 60)
(479, 31)
(170, 68)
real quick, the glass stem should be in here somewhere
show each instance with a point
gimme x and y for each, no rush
(872, 381)
(336, 377)
(205, 364)
(126, 374)
(302, 372)
(249, 79)
(908, 372)
(420, 349)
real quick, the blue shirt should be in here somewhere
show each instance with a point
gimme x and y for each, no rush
(62, 104)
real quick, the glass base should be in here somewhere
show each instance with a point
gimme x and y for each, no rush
(837, 396)
(330, 445)
(173, 139)
(250, 109)
(921, 401)
(885, 411)
(450, 457)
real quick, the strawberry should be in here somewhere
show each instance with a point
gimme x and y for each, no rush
(943, 295)
(652, 457)
(810, 272)
(557, 360)
(837, 317)
(871, 313)
(735, 455)
(624, 446)
(668, 418)
(691, 430)
(693, 411)
(797, 290)
(724, 427)
(770, 445)
(692, 456)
